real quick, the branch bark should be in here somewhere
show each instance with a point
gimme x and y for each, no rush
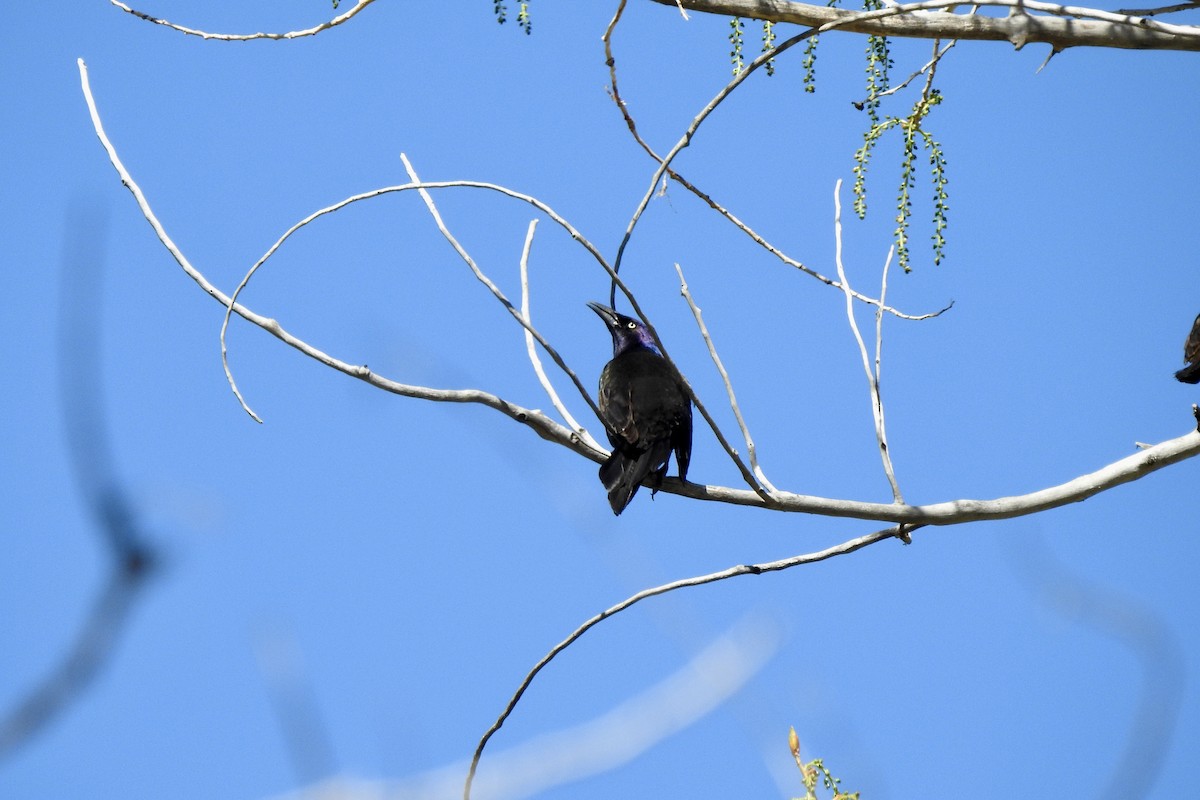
(1019, 28)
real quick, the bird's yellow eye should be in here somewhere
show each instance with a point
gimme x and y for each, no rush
(632, 325)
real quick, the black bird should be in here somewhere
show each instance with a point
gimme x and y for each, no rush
(646, 411)
(1191, 356)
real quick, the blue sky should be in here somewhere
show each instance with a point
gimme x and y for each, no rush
(388, 569)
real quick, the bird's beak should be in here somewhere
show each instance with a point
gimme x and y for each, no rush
(607, 314)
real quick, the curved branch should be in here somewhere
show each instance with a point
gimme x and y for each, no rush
(541, 424)
(245, 37)
(733, 572)
(1096, 29)
(115, 518)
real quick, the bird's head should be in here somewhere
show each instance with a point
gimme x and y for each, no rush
(627, 332)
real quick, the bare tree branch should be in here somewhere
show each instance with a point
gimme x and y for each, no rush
(622, 106)
(1130, 468)
(531, 347)
(540, 423)
(751, 451)
(950, 512)
(543, 425)
(872, 376)
(245, 37)
(929, 65)
(1065, 26)
(494, 289)
(1150, 12)
(664, 163)
(733, 572)
(630, 728)
(633, 727)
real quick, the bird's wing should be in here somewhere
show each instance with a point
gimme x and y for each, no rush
(1191, 347)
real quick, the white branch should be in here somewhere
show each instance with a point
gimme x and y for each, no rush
(540, 423)
(714, 675)
(245, 37)
(531, 346)
(664, 169)
(492, 287)
(872, 376)
(733, 572)
(751, 450)
(1065, 26)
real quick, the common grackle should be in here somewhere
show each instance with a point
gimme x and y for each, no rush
(1191, 356)
(646, 411)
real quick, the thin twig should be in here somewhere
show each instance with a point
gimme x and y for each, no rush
(615, 93)
(541, 424)
(245, 37)
(733, 572)
(685, 140)
(533, 201)
(531, 346)
(872, 381)
(622, 733)
(1151, 12)
(880, 421)
(751, 451)
(492, 287)
(937, 56)
(747, 474)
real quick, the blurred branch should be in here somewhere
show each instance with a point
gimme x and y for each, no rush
(245, 37)
(1057, 25)
(290, 691)
(81, 383)
(718, 671)
(88, 654)
(1141, 630)
(733, 572)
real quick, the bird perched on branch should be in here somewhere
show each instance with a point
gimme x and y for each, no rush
(646, 411)
(1191, 356)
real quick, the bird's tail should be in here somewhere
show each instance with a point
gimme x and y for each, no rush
(622, 474)
(1189, 374)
